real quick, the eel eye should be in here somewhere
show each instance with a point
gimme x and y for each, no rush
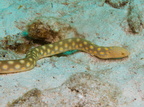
(123, 53)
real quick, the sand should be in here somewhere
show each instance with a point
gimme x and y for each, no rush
(78, 80)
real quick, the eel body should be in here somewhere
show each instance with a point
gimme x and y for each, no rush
(29, 62)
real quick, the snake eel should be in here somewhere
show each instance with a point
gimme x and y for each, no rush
(29, 62)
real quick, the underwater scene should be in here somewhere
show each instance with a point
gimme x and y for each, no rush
(71, 53)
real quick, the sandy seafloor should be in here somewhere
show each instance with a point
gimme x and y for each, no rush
(78, 80)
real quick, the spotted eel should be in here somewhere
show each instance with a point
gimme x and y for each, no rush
(29, 62)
